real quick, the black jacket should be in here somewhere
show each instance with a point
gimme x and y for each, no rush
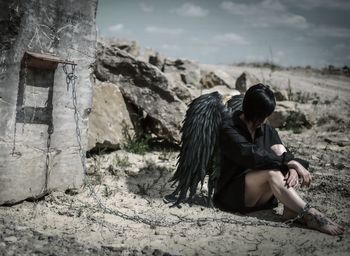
(239, 152)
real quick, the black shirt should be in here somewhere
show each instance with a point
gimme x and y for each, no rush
(239, 152)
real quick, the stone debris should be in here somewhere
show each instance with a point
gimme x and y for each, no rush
(188, 71)
(245, 80)
(144, 86)
(210, 80)
(289, 115)
(130, 46)
(109, 123)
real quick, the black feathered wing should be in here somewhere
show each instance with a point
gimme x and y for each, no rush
(235, 103)
(200, 132)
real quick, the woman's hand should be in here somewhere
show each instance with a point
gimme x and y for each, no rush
(292, 178)
(302, 172)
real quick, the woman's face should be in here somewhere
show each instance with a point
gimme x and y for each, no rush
(258, 123)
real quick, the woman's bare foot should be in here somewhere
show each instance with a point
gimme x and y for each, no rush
(317, 220)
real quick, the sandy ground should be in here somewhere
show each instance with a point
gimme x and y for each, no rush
(121, 211)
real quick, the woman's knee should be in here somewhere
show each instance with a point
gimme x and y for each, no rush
(275, 176)
(262, 176)
(279, 149)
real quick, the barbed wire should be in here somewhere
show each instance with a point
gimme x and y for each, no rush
(71, 79)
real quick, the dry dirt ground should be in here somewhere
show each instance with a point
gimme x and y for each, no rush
(137, 222)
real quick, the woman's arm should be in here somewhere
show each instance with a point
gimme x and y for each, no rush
(302, 172)
(250, 155)
(276, 140)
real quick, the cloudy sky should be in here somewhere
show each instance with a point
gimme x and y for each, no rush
(289, 32)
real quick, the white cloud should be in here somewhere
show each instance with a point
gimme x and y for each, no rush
(282, 20)
(172, 47)
(267, 13)
(255, 58)
(116, 28)
(220, 40)
(230, 38)
(237, 9)
(163, 30)
(300, 38)
(326, 31)
(279, 56)
(329, 4)
(340, 46)
(280, 53)
(252, 9)
(273, 5)
(191, 10)
(146, 7)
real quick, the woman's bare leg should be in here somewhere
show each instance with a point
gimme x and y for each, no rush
(279, 149)
(261, 185)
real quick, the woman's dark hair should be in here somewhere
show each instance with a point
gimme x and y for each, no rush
(258, 103)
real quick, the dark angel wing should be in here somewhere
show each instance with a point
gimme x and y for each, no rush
(200, 133)
(200, 152)
(235, 103)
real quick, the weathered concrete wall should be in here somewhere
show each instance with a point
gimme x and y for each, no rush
(65, 28)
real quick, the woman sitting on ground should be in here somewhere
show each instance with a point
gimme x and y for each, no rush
(256, 168)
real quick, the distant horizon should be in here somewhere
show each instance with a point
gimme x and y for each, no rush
(313, 33)
(267, 62)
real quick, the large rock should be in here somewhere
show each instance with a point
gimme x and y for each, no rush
(280, 94)
(290, 115)
(38, 142)
(246, 80)
(223, 72)
(226, 92)
(110, 125)
(144, 86)
(210, 80)
(188, 71)
(153, 57)
(227, 77)
(183, 92)
(130, 46)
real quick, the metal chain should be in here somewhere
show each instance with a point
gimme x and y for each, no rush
(299, 216)
(50, 130)
(24, 93)
(71, 83)
(47, 160)
(14, 137)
